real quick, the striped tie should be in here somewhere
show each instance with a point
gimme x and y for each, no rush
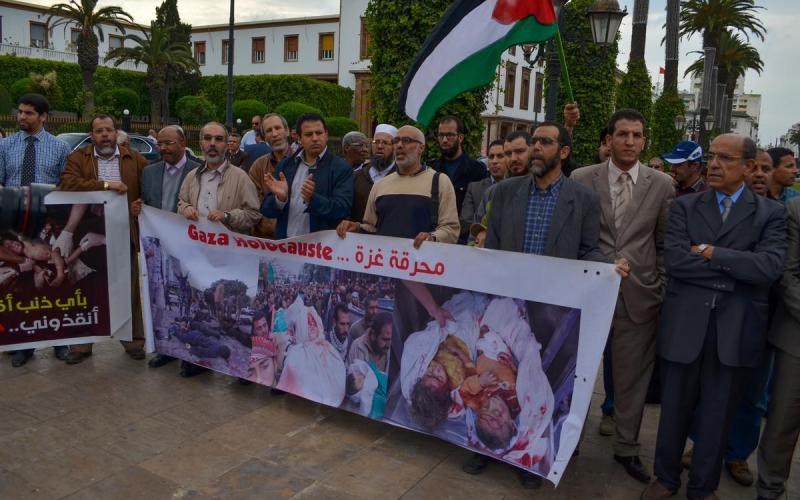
(623, 199)
(28, 174)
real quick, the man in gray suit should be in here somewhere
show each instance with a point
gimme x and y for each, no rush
(779, 439)
(161, 183)
(724, 248)
(544, 213)
(634, 202)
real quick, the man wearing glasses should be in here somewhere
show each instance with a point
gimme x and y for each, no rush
(456, 163)
(381, 165)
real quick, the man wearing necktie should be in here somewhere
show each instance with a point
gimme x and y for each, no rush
(723, 250)
(32, 155)
(634, 203)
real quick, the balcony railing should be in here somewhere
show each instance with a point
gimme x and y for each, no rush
(60, 56)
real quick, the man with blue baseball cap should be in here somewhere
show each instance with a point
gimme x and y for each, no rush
(687, 164)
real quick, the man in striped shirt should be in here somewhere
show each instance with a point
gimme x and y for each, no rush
(32, 155)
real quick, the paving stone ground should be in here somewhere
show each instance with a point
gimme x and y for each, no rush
(112, 428)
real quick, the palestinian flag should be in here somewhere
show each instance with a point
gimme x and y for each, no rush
(463, 50)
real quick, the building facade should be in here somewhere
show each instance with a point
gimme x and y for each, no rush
(24, 32)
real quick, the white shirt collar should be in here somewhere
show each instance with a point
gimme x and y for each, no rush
(614, 172)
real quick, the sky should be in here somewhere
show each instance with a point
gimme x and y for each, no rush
(780, 106)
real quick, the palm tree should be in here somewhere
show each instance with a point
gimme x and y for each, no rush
(713, 18)
(639, 32)
(157, 50)
(90, 23)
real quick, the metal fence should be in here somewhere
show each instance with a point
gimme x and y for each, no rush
(60, 125)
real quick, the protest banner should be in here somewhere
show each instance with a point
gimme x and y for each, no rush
(56, 287)
(492, 351)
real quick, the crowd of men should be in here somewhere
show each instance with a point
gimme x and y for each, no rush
(707, 245)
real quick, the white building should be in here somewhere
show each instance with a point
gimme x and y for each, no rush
(746, 113)
(785, 142)
(24, 32)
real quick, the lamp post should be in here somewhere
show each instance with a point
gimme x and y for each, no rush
(229, 96)
(126, 120)
(239, 126)
(605, 17)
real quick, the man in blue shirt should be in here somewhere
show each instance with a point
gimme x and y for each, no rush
(32, 155)
(784, 173)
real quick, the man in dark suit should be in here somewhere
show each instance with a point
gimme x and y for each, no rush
(456, 163)
(634, 202)
(724, 248)
(779, 439)
(544, 213)
(161, 183)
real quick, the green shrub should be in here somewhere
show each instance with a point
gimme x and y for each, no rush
(194, 110)
(292, 110)
(5, 101)
(247, 109)
(664, 135)
(634, 92)
(272, 90)
(113, 101)
(338, 126)
(20, 88)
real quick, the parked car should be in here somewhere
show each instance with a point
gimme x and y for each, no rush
(141, 143)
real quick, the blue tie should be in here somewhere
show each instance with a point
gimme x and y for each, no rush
(28, 175)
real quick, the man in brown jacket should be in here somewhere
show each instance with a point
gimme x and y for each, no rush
(104, 166)
(276, 132)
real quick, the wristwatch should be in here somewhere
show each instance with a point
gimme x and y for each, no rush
(105, 185)
(701, 248)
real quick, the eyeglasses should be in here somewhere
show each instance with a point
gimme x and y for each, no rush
(446, 135)
(546, 141)
(162, 144)
(382, 143)
(405, 141)
(722, 157)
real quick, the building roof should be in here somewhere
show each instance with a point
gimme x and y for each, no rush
(267, 23)
(44, 9)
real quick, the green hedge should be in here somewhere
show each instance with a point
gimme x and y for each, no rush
(664, 135)
(273, 90)
(6, 104)
(246, 109)
(113, 102)
(194, 109)
(635, 90)
(13, 68)
(338, 126)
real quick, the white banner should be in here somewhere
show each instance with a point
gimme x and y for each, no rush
(493, 351)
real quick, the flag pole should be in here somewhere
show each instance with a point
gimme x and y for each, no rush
(563, 60)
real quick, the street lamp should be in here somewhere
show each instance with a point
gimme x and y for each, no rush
(239, 125)
(126, 120)
(605, 17)
(709, 122)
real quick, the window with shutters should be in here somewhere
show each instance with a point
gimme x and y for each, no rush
(74, 34)
(525, 89)
(364, 50)
(225, 45)
(115, 42)
(326, 46)
(38, 35)
(290, 48)
(200, 53)
(511, 82)
(259, 54)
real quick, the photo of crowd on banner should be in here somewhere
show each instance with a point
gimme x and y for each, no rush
(52, 284)
(494, 374)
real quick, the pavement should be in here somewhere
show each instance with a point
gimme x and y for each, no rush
(113, 428)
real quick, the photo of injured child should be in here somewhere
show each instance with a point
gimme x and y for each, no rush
(207, 323)
(323, 334)
(483, 379)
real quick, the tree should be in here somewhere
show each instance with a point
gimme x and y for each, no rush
(639, 29)
(397, 30)
(635, 90)
(713, 18)
(167, 16)
(794, 137)
(159, 54)
(90, 24)
(663, 133)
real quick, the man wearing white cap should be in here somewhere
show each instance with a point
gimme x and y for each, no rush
(687, 163)
(381, 165)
